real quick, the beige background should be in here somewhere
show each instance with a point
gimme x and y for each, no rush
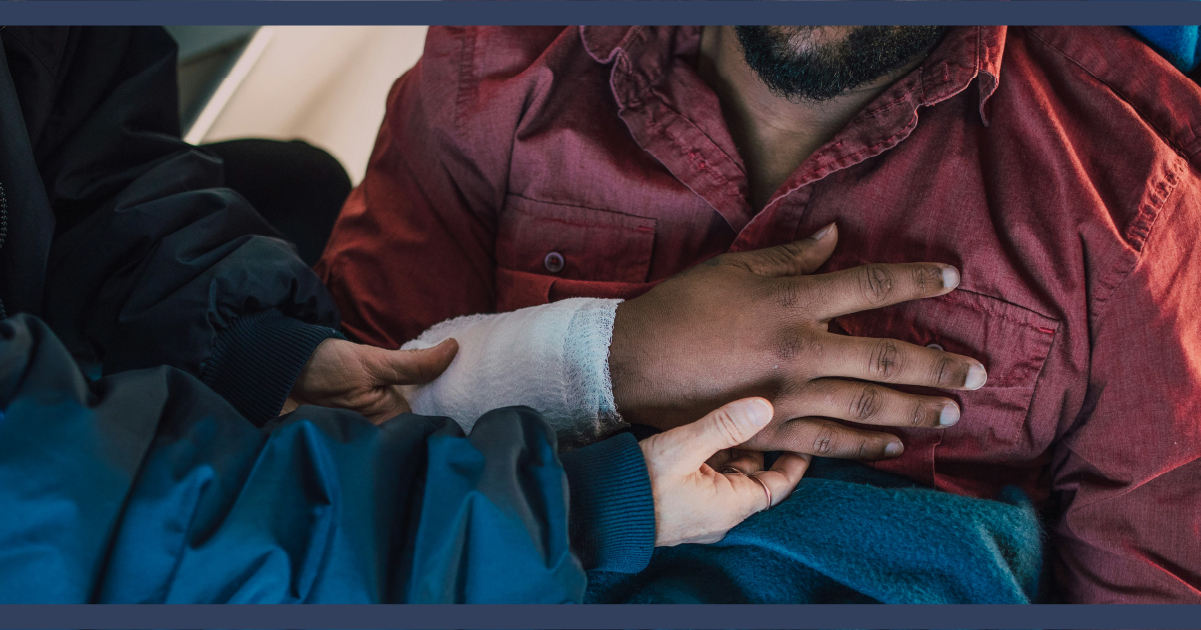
(323, 84)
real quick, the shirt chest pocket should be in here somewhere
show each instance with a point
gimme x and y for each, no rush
(540, 245)
(1012, 342)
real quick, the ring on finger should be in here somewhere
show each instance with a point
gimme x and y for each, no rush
(766, 489)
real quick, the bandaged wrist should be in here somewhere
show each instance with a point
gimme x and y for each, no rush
(553, 358)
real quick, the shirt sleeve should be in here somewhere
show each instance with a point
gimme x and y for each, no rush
(553, 358)
(1128, 470)
(415, 243)
(153, 262)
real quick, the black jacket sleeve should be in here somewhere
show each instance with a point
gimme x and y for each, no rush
(152, 261)
(147, 487)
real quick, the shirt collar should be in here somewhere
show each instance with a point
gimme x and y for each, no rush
(644, 62)
(965, 53)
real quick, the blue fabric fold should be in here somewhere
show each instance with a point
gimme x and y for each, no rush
(851, 534)
(1181, 45)
(148, 487)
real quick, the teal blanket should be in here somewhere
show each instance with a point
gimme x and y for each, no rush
(851, 534)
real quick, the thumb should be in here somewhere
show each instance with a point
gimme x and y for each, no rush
(795, 258)
(412, 367)
(726, 427)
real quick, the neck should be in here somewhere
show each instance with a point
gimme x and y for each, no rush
(773, 134)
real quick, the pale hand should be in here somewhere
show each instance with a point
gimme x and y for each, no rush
(366, 379)
(695, 503)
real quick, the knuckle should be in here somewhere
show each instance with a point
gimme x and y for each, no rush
(727, 427)
(790, 345)
(866, 404)
(919, 415)
(777, 257)
(791, 389)
(926, 279)
(791, 253)
(943, 371)
(788, 295)
(744, 261)
(824, 443)
(885, 361)
(877, 282)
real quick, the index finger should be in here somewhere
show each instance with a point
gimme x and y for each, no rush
(879, 284)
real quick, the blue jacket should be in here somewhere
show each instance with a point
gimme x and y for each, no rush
(146, 486)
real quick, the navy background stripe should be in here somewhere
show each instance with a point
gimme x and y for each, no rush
(260, 12)
(1149, 617)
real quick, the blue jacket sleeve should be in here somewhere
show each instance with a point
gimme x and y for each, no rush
(145, 486)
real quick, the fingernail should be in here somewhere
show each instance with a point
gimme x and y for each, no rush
(950, 277)
(758, 412)
(893, 449)
(949, 415)
(820, 234)
(976, 376)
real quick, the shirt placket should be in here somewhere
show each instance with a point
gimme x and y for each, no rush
(680, 145)
(881, 126)
(869, 134)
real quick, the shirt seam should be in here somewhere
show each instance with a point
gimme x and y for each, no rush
(1143, 224)
(723, 183)
(1102, 311)
(580, 206)
(1164, 136)
(854, 158)
(462, 87)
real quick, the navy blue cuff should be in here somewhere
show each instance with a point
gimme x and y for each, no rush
(612, 521)
(256, 361)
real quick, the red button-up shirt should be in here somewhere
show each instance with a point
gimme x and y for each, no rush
(1056, 167)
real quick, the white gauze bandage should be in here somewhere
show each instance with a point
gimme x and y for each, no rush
(553, 358)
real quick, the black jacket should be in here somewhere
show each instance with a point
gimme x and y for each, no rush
(121, 236)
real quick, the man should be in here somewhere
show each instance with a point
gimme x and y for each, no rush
(1056, 168)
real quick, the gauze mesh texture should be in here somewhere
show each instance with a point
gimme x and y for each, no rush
(553, 358)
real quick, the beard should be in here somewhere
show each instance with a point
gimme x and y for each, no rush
(795, 63)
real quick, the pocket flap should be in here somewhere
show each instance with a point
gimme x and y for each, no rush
(591, 244)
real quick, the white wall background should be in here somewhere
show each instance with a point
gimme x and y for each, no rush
(326, 85)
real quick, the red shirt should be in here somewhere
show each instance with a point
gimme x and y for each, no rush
(1056, 167)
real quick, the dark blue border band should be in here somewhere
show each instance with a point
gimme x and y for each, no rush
(614, 616)
(537, 12)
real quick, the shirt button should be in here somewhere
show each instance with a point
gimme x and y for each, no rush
(934, 346)
(554, 262)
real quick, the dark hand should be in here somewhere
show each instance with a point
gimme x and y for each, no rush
(753, 324)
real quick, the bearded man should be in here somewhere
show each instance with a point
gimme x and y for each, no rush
(1056, 169)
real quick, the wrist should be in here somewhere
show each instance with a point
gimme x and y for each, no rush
(256, 361)
(628, 354)
(612, 519)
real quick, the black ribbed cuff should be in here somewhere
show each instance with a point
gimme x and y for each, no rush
(256, 361)
(612, 521)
